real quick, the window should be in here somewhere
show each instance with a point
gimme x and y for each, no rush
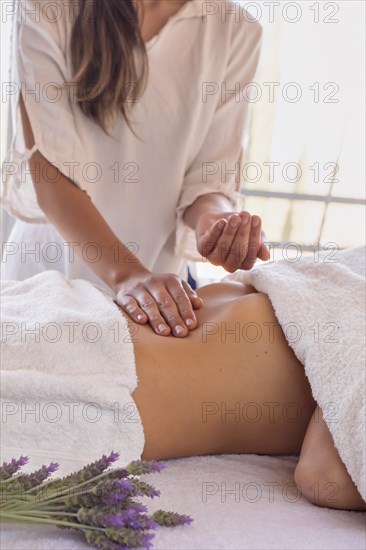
(304, 166)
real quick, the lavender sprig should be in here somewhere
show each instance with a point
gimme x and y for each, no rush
(29, 481)
(111, 516)
(89, 472)
(140, 467)
(7, 470)
(112, 491)
(103, 505)
(142, 488)
(130, 537)
(102, 541)
(92, 470)
(171, 519)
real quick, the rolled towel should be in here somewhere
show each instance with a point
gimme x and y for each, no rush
(67, 374)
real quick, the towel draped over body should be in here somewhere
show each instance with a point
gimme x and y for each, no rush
(68, 371)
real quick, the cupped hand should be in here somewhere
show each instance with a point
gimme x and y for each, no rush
(161, 299)
(231, 240)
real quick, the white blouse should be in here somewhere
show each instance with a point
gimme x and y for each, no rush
(190, 125)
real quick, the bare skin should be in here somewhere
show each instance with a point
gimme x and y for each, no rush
(205, 379)
(218, 392)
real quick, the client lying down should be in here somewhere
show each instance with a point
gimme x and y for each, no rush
(239, 383)
(193, 394)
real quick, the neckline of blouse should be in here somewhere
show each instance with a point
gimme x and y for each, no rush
(192, 8)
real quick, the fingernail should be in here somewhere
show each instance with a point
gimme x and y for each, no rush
(255, 222)
(139, 316)
(245, 220)
(189, 322)
(179, 329)
(162, 327)
(221, 224)
(234, 222)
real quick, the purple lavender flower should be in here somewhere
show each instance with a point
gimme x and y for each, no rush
(29, 481)
(170, 519)
(139, 467)
(112, 457)
(131, 520)
(104, 516)
(111, 516)
(103, 505)
(145, 489)
(130, 537)
(112, 491)
(101, 541)
(92, 470)
(117, 473)
(9, 469)
(129, 504)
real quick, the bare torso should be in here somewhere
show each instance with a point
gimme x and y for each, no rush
(232, 386)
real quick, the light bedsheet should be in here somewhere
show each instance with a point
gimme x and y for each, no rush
(256, 519)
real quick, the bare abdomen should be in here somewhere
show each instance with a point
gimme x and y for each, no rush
(232, 386)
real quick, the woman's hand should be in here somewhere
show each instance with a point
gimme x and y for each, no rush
(231, 240)
(162, 299)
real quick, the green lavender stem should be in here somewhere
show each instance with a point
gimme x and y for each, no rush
(30, 500)
(18, 518)
(59, 493)
(37, 513)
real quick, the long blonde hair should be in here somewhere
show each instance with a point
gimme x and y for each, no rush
(109, 59)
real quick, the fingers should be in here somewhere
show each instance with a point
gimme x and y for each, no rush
(181, 309)
(264, 253)
(219, 253)
(210, 240)
(170, 302)
(254, 244)
(130, 306)
(164, 301)
(231, 247)
(240, 242)
(195, 300)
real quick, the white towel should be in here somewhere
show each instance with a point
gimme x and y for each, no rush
(68, 371)
(320, 304)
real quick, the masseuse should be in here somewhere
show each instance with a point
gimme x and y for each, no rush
(127, 144)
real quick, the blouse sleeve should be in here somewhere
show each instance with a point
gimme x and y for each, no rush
(222, 151)
(39, 71)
